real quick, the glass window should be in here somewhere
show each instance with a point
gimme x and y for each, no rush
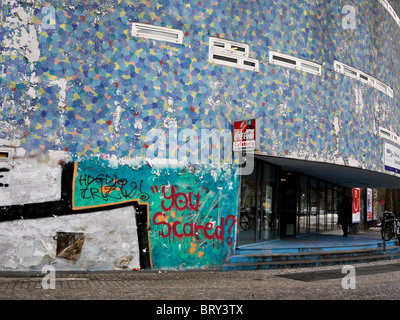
(314, 210)
(335, 205)
(303, 208)
(322, 206)
(268, 221)
(258, 208)
(248, 198)
(329, 206)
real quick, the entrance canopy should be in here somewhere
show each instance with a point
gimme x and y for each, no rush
(345, 176)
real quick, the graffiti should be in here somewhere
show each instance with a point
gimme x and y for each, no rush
(188, 225)
(179, 229)
(181, 204)
(5, 185)
(110, 188)
(96, 186)
(192, 229)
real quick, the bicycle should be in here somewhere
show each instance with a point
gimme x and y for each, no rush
(390, 226)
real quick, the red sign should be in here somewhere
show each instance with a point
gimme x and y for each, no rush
(246, 135)
(370, 207)
(356, 205)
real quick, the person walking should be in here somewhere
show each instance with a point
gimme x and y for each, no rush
(344, 215)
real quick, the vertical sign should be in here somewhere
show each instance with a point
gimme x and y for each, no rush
(370, 207)
(356, 205)
(375, 204)
(246, 135)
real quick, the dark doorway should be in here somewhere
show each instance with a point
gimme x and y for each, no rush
(288, 204)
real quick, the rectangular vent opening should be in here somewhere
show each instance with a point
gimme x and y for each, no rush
(350, 72)
(390, 92)
(249, 63)
(225, 58)
(387, 134)
(381, 86)
(219, 44)
(285, 60)
(157, 33)
(231, 54)
(282, 59)
(5, 154)
(363, 77)
(236, 62)
(228, 47)
(238, 48)
(309, 67)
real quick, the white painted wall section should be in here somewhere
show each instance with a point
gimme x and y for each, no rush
(110, 237)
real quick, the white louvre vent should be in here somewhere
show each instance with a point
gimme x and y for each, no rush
(157, 33)
(229, 47)
(231, 54)
(288, 61)
(387, 134)
(363, 77)
(234, 61)
(5, 154)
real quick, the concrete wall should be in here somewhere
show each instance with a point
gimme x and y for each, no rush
(110, 242)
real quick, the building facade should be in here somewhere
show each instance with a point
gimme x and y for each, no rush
(117, 125)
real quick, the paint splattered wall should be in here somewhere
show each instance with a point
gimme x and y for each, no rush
(75, 81)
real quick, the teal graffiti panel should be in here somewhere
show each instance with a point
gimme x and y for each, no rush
(191, 212)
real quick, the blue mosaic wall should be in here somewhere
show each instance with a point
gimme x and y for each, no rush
(118, 86)
(74, 79)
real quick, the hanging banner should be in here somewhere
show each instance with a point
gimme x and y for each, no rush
(356, 205)
(375, 204)
(246, 135)
(370, 207)
(392, 158)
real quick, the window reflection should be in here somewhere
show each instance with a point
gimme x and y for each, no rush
(258, 207)
(303, 212)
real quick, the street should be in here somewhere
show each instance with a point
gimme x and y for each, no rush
(372, 281)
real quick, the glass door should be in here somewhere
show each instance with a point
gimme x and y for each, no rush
(248, 207)
(267, 226)
(258, 219)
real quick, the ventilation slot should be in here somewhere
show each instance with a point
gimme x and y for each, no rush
(381, 87)
(225, 59)
(349, 72)
(5, 154)
(157, 33)
(249, 63)
(285, 60)
(363, 77)
(236, 62)
(309, 68)
(389, 135)
(229, 47)
(231, 54)
(390, 92)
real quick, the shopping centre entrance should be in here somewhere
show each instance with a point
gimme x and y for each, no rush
(276, 204)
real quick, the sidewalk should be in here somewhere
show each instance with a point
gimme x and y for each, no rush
(323, 241)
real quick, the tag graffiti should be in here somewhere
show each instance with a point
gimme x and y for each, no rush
(179, 230)
(181, 224)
